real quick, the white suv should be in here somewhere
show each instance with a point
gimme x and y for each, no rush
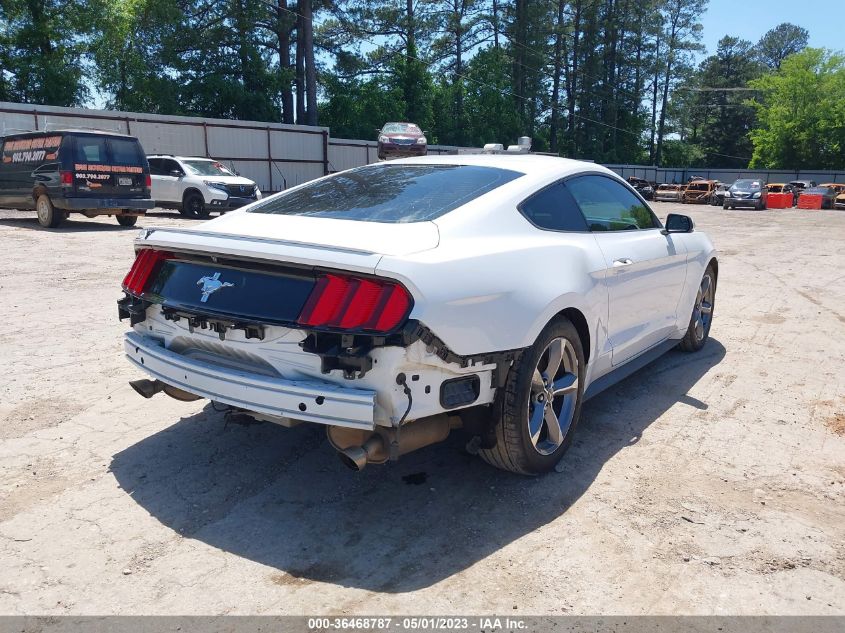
(197, 186)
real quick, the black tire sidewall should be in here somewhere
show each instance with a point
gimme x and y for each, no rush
(127, 220)
(186, 206)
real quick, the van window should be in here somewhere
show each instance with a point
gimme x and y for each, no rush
(90, 149)
(125, 152)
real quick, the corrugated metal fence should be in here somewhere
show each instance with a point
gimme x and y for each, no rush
(274, 155)
(278, 156)
(680, 176)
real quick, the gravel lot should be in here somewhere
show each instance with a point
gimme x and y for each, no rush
(709, 484)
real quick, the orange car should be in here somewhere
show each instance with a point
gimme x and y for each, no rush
(699, 191)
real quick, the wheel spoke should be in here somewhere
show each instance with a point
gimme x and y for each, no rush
(537, 381)
(705, 285)
(705, 307)
(535, 423)
(568, 383)
(555, 357)
(553, 426)
(699, 327)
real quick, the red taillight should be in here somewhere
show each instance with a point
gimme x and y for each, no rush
(354, 303)
(148, 181)
(146, 263)
(66, 178)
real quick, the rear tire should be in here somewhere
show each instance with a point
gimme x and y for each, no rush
(48, 216)
(538, 409)
(127, 220)
(698, 330)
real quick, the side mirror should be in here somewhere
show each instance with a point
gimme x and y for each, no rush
(176, 173)
(677, 223)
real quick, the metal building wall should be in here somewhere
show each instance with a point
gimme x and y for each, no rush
(276, 156)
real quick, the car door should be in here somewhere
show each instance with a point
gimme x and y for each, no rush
(645, 269)
(170, 184)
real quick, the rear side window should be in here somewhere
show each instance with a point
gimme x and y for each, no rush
(126, 152)
(90, 149)
(610, 206)
(390, 193)
(155, 167)
(554, 209)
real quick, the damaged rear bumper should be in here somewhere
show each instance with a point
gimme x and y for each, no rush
(309, 401)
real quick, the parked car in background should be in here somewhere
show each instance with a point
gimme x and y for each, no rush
(838, 187)
(746, 192)
(718, 197)
(355, 302)
(198, 186)
(828, 195)
(800, 185)
(840, 201)
(780, 187)
(399, 140)
(699, 191)
(669, 193)
(59, 172)
(643, 187)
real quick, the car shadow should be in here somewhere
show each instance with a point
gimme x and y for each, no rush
(281, 497)
(68, 226)
(78, 223)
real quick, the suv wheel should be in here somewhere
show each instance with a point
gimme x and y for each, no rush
(193, 205)
(48, 216)
(539, 407)
(127, 220)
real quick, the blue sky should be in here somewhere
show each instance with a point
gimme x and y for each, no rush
(750, 19)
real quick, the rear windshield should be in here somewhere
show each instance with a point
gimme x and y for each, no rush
(126, 152)
(818, 190)
(90, 149)
(390, 193)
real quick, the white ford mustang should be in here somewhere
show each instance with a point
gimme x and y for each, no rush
(396, 302)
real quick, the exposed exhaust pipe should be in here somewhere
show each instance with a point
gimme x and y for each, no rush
(358, 448)
(149, 388)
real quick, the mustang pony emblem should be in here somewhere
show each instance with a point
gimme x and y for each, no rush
(212, 284)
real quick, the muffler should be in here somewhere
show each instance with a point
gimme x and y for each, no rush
(357, 447)
(149, 388)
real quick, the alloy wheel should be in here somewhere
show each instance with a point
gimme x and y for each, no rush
(553, 396)
(702, 313)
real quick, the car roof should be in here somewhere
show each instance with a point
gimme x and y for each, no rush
(69, 131)
(211, 160)
(525, 163)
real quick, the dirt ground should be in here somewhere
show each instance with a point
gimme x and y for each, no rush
(709, 484)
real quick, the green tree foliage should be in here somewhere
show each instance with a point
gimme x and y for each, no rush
(780, 42)
(40, 51)
(801, 113)
(725, 117)
(607, 80)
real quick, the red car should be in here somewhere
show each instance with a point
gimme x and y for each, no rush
(398, 140)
